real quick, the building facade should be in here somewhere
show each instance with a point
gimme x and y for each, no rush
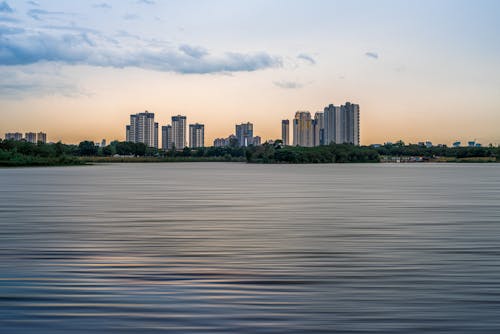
(41, 137)
(303, 129)
(143, 129)
(196, 135)
(285, 132)
(166, 137)
(179, 131)
(341, 124)
(30, 137)
(14, 136)
(244, 134)
(319, 129)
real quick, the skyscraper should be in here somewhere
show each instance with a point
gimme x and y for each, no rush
(303, 129)
(14, 136)
(196, 135)
(166, 137)
(30, 137)
(285, 132)
(341, 124)
(179, 131)
(244, 134)
(351, 127)
(41, 137)
(143, 129)
(318, 129)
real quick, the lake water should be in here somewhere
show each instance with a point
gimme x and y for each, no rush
(238, 248)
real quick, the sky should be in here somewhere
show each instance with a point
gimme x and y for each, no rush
(420, 70)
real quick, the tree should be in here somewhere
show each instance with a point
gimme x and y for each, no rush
(87, 148)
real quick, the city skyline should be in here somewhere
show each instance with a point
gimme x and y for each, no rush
(418, 68)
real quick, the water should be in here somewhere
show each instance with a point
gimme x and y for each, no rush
(237, 248)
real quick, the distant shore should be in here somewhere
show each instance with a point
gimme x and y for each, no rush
(25, 154)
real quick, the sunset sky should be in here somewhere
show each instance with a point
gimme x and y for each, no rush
(420, 70)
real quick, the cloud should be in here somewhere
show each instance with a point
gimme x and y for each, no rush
(5, 8)
(130, 17)
(45, 80)
(193, 51)
(288, 84)
(146, 2)
(307, 58)
(33, 3)
(38, 14)
(372, 55)
(85, 47)
(102, 5)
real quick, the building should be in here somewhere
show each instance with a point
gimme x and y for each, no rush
(303, 129)
(457, 144)
(222, 142)
(341, 124)
(166, 137)
(285, 132)
(319, 129)
(103, 143)
(244, 134)
(14, 136)
(30, 137)
(41, 137)
(257, 140)
(196, 135)
(143, 129)
(179, 131)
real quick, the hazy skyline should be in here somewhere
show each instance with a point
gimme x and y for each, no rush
(420, 70)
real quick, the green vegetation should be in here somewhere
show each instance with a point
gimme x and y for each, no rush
(441, 153)
(321, 154)
(21, 153)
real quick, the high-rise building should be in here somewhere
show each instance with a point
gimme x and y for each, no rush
(103, 143)
(285, 132)
(319, 129)
(196, 135)
(244, 134)
(330, 124)
(41, 137)
(30, 137)
(351, 123)
(14, 136)
(303, 129)
(341, 124)
(179, 131)
(143, 129)
(257, 140)
(166, 137)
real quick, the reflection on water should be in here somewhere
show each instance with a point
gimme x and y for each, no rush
(237, 248)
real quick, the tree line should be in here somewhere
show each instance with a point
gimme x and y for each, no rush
(17, 153)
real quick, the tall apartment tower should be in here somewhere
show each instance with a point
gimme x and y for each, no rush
(30, 137)
(17, 136)
(303, 129)
(319, 129)
(166, 137)
(143, 129)
(285, 132)
(196, 135)
(351, 125)
(330, 123)
(41, 137)
(179, 131)
(341, 124)
(244, 134)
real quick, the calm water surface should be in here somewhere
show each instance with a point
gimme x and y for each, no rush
(237, 248)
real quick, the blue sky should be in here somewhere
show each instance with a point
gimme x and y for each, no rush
(419, 69)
